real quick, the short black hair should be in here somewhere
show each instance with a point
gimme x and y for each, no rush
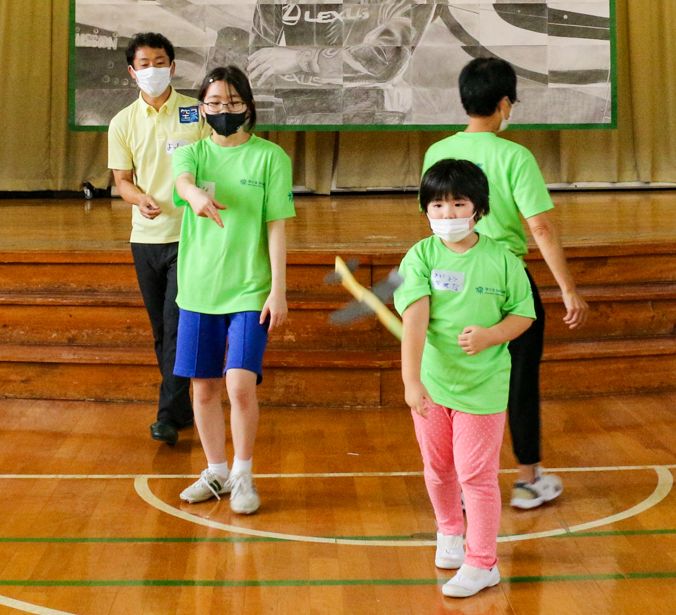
(236, 78)
(484, 82)
(458, 179)
(153, 40)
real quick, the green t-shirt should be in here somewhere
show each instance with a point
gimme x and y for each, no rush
(227, 270)
(515, 183)
(478, 287)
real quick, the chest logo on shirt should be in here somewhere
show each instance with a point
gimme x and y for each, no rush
(252, 182)
(188, 115)
(483, 290)
(448, 280)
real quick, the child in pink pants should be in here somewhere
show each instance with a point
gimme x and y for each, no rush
(459, 448)
(463, 297)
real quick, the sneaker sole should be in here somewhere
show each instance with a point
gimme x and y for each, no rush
(196, 501)
(245, 511)
(528, 504)
(448, 564)
(204, 499)
(464, 594)
(189, 501)
(556, 495)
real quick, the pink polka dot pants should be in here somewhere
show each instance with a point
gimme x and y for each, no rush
(461, 452)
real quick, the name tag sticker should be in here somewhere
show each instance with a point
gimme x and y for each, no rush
(188, 115)
(172, 146)
(208, 187)
(448, 280)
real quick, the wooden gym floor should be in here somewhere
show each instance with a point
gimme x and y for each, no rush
(375, 223)
(91, 522)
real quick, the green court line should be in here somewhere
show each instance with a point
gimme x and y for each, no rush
(238, 539)
(559, 578)
(615, 533)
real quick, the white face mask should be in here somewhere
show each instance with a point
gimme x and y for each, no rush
(153, 81)
(451, 229)
(504, 123)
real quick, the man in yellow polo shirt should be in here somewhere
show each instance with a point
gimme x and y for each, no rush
(141, 140)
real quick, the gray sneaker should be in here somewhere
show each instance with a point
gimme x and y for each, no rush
(545, 488)
(207, 486)
(243, 496)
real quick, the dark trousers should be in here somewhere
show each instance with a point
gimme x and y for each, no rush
(156, 273)
(524, 386)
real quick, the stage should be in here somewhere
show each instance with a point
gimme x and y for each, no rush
(70, 308)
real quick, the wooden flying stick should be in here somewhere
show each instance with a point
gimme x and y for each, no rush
(368, 301)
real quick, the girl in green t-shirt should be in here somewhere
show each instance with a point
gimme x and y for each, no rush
(464, 296)
(236, 189)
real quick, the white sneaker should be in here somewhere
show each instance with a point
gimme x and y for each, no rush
(470, 580)
(243, 497)
(450, 552)
(207, 486)
(543, 489)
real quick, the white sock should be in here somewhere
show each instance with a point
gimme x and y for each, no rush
(239, 466)
(220, 469)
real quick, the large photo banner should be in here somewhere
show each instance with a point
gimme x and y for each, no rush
(356, 64)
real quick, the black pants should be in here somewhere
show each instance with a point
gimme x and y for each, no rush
(156, 273)
(524, 386)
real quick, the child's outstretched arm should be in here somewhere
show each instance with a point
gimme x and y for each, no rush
(200, 202)
(416, 319)
(275, 306)
(474, 338)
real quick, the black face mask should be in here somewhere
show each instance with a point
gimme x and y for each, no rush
(226, 124)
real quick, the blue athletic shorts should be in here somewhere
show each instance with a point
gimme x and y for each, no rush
(204, 339)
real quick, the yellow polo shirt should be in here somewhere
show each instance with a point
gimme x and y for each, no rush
(142, 140)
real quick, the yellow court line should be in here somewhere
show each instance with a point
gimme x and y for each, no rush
(27, 607)
(668, 466)
(664, 485)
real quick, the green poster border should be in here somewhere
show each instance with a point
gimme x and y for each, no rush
(369, 127)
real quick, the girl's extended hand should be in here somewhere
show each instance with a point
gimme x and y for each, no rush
(474, 339)
(275, 307)
(415, 395)
(206, 207)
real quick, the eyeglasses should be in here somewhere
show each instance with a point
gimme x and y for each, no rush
(232, 107)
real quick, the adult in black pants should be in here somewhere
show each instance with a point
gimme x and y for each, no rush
(155, 266)
(141, 140)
